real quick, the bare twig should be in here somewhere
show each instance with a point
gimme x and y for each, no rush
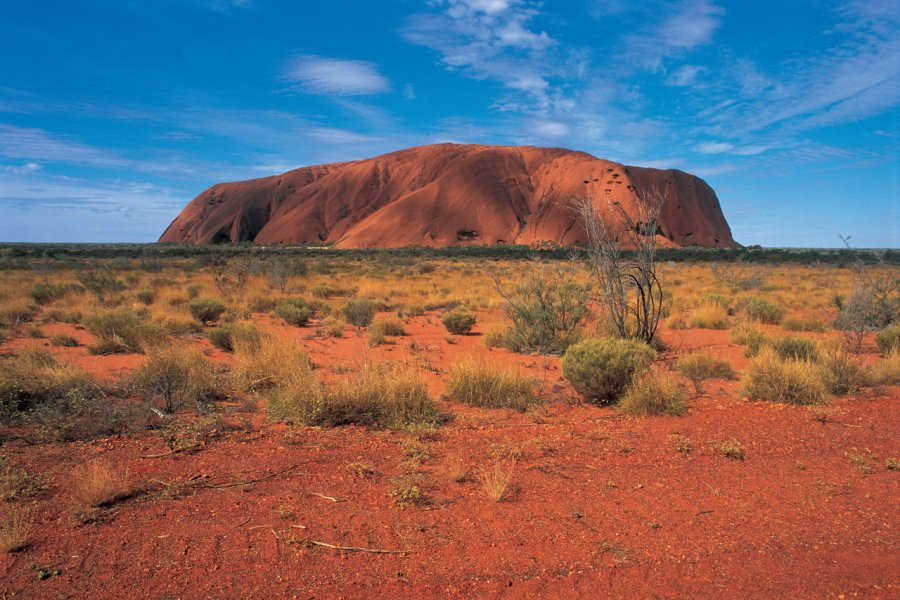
(358, 549)
(170, 452)
(324, 496)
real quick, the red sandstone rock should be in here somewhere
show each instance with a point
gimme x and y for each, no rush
(445, 195)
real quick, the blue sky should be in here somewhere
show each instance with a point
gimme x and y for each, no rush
(114, 114)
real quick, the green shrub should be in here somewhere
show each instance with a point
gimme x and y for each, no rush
(546, 308)
(359, 312)
(146, 297)
(489, 385)
(888, 339)
(600, 369)
(376, 395)
(44, 292)
(322, 291)
(796, 348)
(294, 311)
(762, 310)
(206, 310)
(772, 378)
(175, 375)
(698, 368)
(653, 393)
(458, 322)
(121, 331)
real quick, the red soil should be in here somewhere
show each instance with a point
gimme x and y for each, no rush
(445, 195)
(602, 505)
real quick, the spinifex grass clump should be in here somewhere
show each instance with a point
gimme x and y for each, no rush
(359, 312)
(206, 310)
(698, 368)
(796, 348)
(762, 310)
(121, 331)
(375, 395)
(226, 337)
(477, 382)
(600, 369)
(36, 378)
(772, 378)
(654, 393)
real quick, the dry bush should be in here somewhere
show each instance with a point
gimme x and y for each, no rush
(206, 310)
(36, 377)
(494, 335)
(17, 483)
(456, 469)
(477, 382)
(15, 526)
(887, 370)
(888, 339)
(804, 324)
(497, 480)
(709, 316)
(655, 393)
(294, 311)
(265, 362)
(99, 483)
(771, 378)
(375, 395)
(177, 375)
(383, 327)
(359, 312)
(698, 368)
(15, 311)
(841, 372)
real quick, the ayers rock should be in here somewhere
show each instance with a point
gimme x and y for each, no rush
(445, 195)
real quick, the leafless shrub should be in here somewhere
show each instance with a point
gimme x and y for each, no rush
(631, 290)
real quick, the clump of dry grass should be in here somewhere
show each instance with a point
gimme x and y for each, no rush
(709, 315)
(176, 375)
(497, 480)
(653, 393)
(99, 483)
(376, 394)
(842, 373)
(477, 382)
(15, 526)
(887, 370)
(263, 362)
(749, 335)
(36, 377)
(457, 469)
(699, 368)
(775, 379)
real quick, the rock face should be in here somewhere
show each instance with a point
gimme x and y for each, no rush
(446, 195)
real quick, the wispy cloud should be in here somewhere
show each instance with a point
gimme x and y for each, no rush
(488, 39)
(689, 24)
(336, 76)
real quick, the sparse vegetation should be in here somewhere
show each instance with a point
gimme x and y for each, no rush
(359, 312)
(99, 483)
(177, 375)
(497, 480)
(206, 310)
(796, 348)
(294, 311)
(759, 309)
(15, 526)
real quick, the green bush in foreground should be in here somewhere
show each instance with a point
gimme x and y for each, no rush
(796, 348)
(600, 369)
(359, 312)
(698, 368)
(458, 322)
(762, 310)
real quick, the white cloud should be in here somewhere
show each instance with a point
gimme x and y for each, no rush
(335, 76)
(488, 40)
(550, 129)
(729, 148)
(686, 75)
(692, 24)
(25, 169)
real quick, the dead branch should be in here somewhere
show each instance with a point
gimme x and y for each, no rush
(358, 549)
